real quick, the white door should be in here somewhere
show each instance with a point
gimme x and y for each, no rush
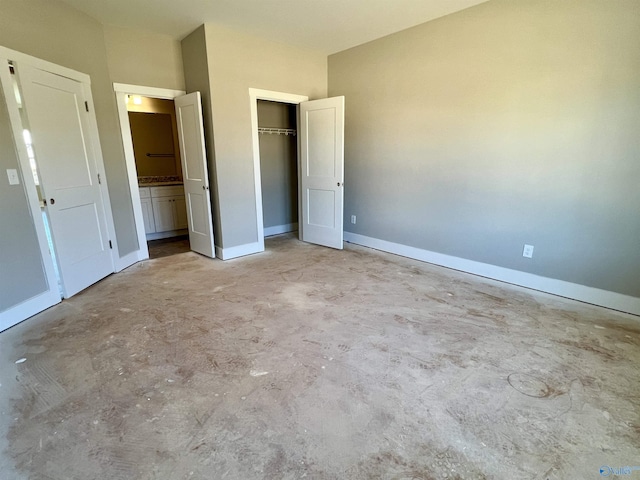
(321, 130)
(195, 173)
(58, 119)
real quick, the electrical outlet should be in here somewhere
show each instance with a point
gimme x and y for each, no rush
(12, 174)
(527, 251)
(353, 219)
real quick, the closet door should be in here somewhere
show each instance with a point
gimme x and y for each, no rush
(322, 171)
(58, 119)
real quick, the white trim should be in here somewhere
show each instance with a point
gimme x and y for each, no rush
(166, 93)
(239, 251)
(278, 229)
(582, 293)
(104, 183)
(167, 234)
(256, 94)
(122, 90)
(28, 308)
(128, 260)
(44, 65)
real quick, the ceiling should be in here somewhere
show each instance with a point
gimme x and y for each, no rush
(328, 26)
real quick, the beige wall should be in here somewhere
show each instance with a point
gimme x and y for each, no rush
(153, 138)
(508, 123)
(50, 30)
(237, 62)
(197, 77)
(22, 274)
(143, 58)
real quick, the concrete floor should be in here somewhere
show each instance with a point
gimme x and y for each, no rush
(168, 246)
(305, 362)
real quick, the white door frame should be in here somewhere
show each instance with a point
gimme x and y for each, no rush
(256, 94)
(122, 90)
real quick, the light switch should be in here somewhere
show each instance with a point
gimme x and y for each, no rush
(12, 173)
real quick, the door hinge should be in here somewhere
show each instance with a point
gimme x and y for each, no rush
(110, 245)
(99, 179)
(86, 105)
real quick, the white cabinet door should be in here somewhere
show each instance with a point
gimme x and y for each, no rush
(163, 212)
(195, 173)
(59, 121)
(322, 171)
(147, 215)
(180, 209)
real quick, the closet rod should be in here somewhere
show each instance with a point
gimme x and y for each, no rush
(277, 131)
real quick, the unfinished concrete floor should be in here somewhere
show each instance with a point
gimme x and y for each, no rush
(305, 362)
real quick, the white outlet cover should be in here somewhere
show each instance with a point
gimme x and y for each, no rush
(527, 251)
(12, 175)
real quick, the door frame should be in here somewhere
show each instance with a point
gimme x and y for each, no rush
(256, 94)
(121, 91)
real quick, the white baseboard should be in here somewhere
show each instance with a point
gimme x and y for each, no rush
(129, 259)
(278, 229)
(17, 313)
(239, 251)
(168, 234)
(596, 296)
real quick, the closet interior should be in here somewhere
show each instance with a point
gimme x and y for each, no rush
(278, 166)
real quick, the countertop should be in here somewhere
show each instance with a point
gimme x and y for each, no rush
(159, 181)
(158, 184)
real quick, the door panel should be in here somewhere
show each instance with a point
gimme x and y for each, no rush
(59, 125)
(322, 171)
(321, 211)
(322, 143)
(195, 173)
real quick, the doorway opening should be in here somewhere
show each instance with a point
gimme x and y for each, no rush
(277, 123)
(154, 135)
(289, 101)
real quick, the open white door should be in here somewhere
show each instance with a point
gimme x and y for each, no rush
(321, 130)
(195, 173)
(58, 118)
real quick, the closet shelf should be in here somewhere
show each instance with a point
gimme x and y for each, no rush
(277, 131)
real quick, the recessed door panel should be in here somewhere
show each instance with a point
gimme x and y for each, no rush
(63, 138)
(198, 214)
(321, 208)
(321, 143)
(80, 247)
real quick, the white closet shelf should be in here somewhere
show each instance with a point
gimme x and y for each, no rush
(277, 131)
